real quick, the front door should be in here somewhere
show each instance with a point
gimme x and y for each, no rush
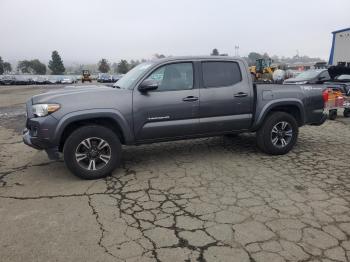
(171, 110)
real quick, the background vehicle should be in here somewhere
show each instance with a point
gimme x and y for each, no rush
(262, 70)
(104, 78)
(164, 100)
(340, 83)
(312, 76)
(8, 80)
(68, 80)
(86, 76)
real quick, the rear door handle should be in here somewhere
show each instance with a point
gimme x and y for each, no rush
(190, 99)
(241, 94)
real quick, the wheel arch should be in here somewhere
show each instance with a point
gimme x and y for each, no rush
(111, 120)
(292, 107)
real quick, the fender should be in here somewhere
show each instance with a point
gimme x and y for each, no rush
(90, 114)
(259, 119)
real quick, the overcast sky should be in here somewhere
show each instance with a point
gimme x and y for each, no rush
(86, 30)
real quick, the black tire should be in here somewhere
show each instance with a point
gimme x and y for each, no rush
(346, 112)
(333, 114)
(74, 142)
(266, 136)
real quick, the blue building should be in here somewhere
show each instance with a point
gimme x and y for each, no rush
(340, 51)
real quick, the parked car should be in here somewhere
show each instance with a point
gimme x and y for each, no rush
(165, 100)
(104, 78)
(41, 80)
(312, 76)
(68, 80)
(8, 80)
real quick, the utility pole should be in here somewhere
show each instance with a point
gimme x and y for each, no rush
(236, 50)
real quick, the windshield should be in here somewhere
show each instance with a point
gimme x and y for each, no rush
(130, 77)
(308, 74)
(343, 77)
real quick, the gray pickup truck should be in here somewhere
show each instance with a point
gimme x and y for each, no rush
(164, 100)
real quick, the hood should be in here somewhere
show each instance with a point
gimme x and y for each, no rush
(80, 98)
(70, 92)
(335, 71)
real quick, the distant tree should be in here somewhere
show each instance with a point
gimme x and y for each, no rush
(32, 67)
(24, 67)
(115, 67)
(159, 56)
(1, 66)
(215, 52)
(56, 64)
(7, 67)
(38, 67)
(123, 67)
(103, 66)
(133, 63)
(252, 57)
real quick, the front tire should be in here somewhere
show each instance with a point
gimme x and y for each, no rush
(92, 152)
(278, 134)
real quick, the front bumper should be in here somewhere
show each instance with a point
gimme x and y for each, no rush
(40, 144)
(35, 142)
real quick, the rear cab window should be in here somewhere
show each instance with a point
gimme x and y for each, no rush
(220, 73)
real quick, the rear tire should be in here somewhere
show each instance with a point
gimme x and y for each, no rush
(346, 112)
(278, 134)
(92, 152)
(333, 114)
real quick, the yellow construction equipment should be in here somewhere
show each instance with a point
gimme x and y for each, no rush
(86, 76)
(262, 70)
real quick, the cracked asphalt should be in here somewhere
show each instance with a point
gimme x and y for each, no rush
(213, 199)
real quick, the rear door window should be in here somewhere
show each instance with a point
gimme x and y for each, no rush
(220, 74)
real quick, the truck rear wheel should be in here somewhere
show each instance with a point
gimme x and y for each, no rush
(92, 152)
(278, 134)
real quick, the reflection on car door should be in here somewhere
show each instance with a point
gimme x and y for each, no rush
(171, 110)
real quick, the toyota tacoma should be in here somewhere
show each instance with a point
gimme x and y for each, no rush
(164, 100)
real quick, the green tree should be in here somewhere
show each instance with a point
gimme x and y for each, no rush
(133, 63)
(24, 67)
(1, 66)
(159, 56)
(115, 67)
(103, 66)
(32, 67)
(7, 67)
(215, 52)
(56, 64)
(123, 67)
(252, 57)
(38, 67)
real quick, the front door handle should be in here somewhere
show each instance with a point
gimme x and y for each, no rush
(241, 94)
(190, 99)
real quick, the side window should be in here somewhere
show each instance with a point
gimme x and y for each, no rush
(177, 76)
(219, 74)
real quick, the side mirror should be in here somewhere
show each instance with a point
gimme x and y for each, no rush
(148, 85)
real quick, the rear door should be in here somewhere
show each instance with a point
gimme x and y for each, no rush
(226, 98)
(171, 110)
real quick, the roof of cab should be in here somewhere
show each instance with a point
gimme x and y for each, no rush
(182, 58)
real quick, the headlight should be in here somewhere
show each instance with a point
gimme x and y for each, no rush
(44, 109)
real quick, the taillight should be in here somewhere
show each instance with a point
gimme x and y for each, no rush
(325, 96)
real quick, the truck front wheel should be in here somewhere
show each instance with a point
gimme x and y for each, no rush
(92, 152)
(278, 134)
